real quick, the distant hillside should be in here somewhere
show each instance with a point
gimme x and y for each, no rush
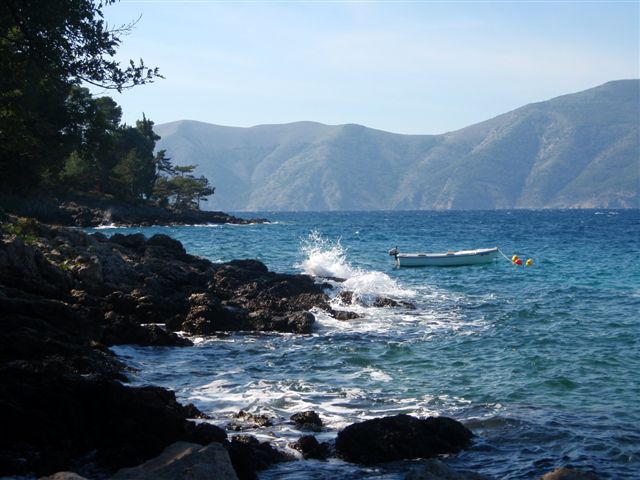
(576, 151)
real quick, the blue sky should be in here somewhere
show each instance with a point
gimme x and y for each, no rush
(404, 67)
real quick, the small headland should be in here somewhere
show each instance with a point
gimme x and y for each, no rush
(98, 210)
(66, 296)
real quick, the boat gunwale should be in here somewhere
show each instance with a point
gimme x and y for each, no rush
(457, 254)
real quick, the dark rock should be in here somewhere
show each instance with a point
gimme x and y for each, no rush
(204, 433)
(248, 456)
(309, 446)
(346, 297)
(388, 302)
(134, 241)
(256, 419)
(65, 296)
(184, 461)
(308, 420)
(343, 315)
(401, 437)
(169, 244)
(123, 330)
(564, 473)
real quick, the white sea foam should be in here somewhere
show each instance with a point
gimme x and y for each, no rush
(324, 258)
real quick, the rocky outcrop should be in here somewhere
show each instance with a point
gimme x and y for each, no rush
(184, 461)
(308, 420)
(248, 455)
(65, 296)
(309, 447)
(401, 437)
(92, 212)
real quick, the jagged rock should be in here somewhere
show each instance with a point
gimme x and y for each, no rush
(309, 446)
(256, 419)
(248, 455)
(388, 302)
(184, 461)
(564, 473)
(343, 315)
(169, 244)
(401, 437)
(66, 295)
(308, 420)
(346, 297)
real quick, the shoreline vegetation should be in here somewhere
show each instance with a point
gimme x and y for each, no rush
(96, 211)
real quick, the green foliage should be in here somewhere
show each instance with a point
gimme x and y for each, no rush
(47, 48)
(23, 227)
(183, 190)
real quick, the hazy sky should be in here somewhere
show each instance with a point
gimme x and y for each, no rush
(405, 67)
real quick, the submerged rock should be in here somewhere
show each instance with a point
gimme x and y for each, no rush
(401, 437)
(564, 473)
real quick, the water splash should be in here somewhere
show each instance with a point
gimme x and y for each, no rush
(324, 258)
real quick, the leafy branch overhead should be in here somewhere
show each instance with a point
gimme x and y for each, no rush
(48, 49)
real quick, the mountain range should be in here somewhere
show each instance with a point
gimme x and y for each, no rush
(580, 150)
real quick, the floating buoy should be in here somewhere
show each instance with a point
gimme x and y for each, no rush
(529, 262)
(518, 262)
(514, 259)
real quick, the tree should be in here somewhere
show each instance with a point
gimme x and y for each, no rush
(183, 189)
(46, 48)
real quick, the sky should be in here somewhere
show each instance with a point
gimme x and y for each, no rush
(413, 67)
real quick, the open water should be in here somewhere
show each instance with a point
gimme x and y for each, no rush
(541, 362)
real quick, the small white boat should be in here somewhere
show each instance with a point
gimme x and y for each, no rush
(445, 259)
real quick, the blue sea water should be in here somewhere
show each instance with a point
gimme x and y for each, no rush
(542, 362)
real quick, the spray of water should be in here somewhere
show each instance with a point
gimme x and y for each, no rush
(328, 259)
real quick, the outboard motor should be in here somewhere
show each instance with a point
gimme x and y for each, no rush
(394, 252)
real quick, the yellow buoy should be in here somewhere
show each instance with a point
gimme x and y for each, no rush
(514, 258)
(529, 262)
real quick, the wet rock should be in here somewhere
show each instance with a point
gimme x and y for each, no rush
(346, 297)
(308, 420)
(309, 446)
(401, 437)
(248, 456)
(388, 302)
(564, 473)
(65, 296)
(344, 315)
(186, 461)
(245, 420)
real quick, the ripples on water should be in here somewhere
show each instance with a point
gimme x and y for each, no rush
(541, 362)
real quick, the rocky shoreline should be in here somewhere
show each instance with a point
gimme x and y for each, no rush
(94, 212)
(66, 296)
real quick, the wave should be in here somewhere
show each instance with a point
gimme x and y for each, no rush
(328, 259)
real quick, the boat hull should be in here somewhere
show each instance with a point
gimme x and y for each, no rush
(448, 259)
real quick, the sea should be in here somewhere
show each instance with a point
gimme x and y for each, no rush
(541, 362)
